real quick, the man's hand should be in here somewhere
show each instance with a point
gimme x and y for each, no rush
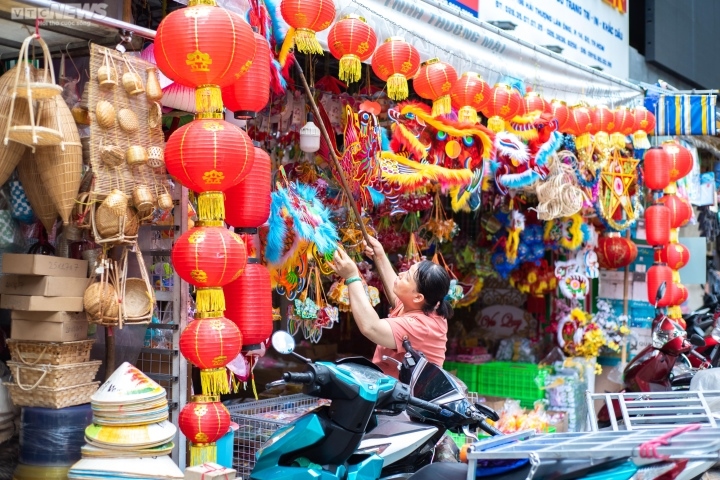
(344, 265)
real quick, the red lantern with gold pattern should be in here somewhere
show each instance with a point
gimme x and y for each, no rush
(681, 160)
(561, 112)
(247, 205)
(656, 275)
(433, 82)
(394, 62)
(656, 168)
(680, 210)
(505, 102)
(657, 225)
(603, 120)
(624, 121)
(352, 41)
(190, 51)
(210, 344)
(681, 294)
(644, 124)
(534, 102)
(209, 156)
(615, 252)
(469, 95)
(251, 92)
(581, 121)
(249, 304)
(306, 17)
(204, 421)
(675, 255)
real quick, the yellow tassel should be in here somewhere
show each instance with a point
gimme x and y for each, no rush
(640, 140)
(496, 124)
(617, 140)
(675, 312)
(397, 87)
(602, 140)
(467, 114)
(214, 381)
(674, 235)
(287, 45)
(350, 68)
(210, 299)
(671, 189)
(252, 381)
(202, 453)
(583, 142)
(211, 206)
(676, 276)
(306, 42)
(442, 106)
(208, 100)
(209, 3)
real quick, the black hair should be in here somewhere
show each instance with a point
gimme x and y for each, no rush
(433, 282)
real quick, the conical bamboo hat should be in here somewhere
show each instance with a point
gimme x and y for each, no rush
(128, 385)
(141, 436)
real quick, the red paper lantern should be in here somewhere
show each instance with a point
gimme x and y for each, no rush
(603, 120)
(657, 225)
(580, 122)
(675, 255)
(209, 256)
(656, 275)
(433, 82)
(352, 41)
(644, 124)
(656, 168)
(680, 210)
(561, 112)
(681, 293)
(394, 62)
(251, 92)
(307, 17)
(190, 50)
(247, 205)
(204, 421)
(614, 251)
(505, 102)
(534, 102)
(681, 160)
(469, 95)
(249, 304)
(624, 121)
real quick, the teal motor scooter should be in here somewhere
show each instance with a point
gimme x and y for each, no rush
(323, 444)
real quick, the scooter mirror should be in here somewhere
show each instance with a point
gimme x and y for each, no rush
(697, 340)
(660, 293)
(283, 342)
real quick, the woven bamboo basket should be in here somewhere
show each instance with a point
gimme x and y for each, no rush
(101, 303)
(49, 353)
(143, 199)
(11, 153)
(61, 166)
(38, 196)
(137, 293)
(111, 228)
(28, 377)
(52, 397)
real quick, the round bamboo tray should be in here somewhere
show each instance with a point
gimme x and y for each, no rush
(101, 300)
(138, 301)
(38, 90)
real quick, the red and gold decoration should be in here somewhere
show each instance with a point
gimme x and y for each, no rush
(433, 82)
(615, 252)
(675, 255)
(249, 304)
(469, 95)
(561, 112)
(603, 123)
(306, 18)
(656, 276)
(580, 124)
(394, 62)
(624, 126)
(352, 41)
(204, 421)
(644, 125)
(251, 92)
(504, 104)
(680, 210)
(247, 205)
(656, 168)
(533, 102)
(680, 160)
(657, 225)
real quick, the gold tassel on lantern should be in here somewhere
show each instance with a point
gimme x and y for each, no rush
(211, 206)
(397, 87)
(214, 381)
(602, 141)
(350, 68)
(676, 276)
(674, 235)
(496, 124)
(467, 114)
(210, 299)
(208, 100)
(671, 189)
(675, 312)
(442, 106)
(617, 140)
(203, 453)
(640, 140)
(306, 42)
(583, 142)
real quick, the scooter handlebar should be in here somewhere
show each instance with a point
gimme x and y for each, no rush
(487, 428)
(299, 377)
(432, 407)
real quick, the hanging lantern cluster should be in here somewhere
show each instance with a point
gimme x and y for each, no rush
(663, 167)
(615, 251)
(505, 102)
(306, 18)
(209, 156)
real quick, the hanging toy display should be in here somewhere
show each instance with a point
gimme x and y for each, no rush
(311, 312)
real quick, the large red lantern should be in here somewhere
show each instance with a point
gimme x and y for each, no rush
(657, 225)
(249, 304)
(614, 251)
(394, 62)
(210, 344)
(505, 102)
(190, 51)
(561, 112)
(209, 156)
(680, 210)
(580, 125)
(644, 124)
(352, 41)
(656, 168)
(681, 160)
(603, 120)
(306, 17)
(204, 421)
(534, 102)
(656, 275)
(624, 124)
(675, 255)
(433, 82)
(251, 92)
(469, 95)
(681, 293)
(247, 205)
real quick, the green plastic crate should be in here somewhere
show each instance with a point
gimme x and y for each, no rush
(518, 381)
(467, 372)
(461, 439)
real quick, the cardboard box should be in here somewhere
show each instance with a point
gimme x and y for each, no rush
(43, 286)
(52, 317)
(41, 304)
(24, 264)
(209, 471)
(49, 331)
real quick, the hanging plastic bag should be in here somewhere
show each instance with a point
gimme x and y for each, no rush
(19, 204)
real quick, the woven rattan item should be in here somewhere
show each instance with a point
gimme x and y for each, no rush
(41, 86)
(165, 201)
(143, 199)
(101, 299)
(37, 194)
(48, 353)
(128, 120)
(52, 397)
(111, 228)
(61, 166)
(154, 115)
(137, 293)
(105, 114)
(11, 152)
(30, 377)
(156, 157)
(136, 156)
(107, 75)
(81, 212)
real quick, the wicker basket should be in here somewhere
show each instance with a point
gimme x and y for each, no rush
(28, 377)
(100, 301)
(48, 353)
(52, 397)
(37, 194)
(137, 293)
(11, 154)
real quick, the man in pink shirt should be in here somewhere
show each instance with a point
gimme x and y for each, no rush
(420, 312)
